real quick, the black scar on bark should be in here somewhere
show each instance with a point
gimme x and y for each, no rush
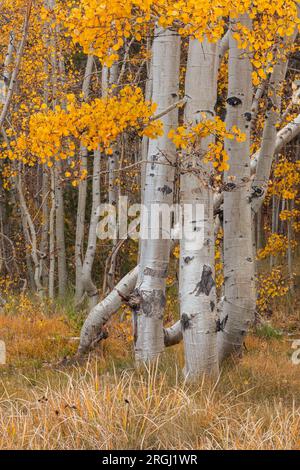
(248, 116)
(220, 324)
(256, 191)
(212, 305)
(134, 300)
(233, 101)
(160, 273)
(153, 302)
(165, 189)
(185, 321)
(206, 283)
(229, 186)
(188, 259)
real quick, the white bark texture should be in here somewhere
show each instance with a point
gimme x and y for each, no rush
(197, 290)
(159, 187)
(239, 285)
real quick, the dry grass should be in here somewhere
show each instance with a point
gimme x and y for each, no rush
(106, 404)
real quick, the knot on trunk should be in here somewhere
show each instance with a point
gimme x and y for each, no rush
(220, 324)
(229, 187)
(134, 300)
(233, 101)
(256, 192)
(185, 321)
(206, 283)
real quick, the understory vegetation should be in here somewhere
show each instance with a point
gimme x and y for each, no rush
(105, 402)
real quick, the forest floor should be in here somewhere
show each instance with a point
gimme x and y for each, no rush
(107, 404)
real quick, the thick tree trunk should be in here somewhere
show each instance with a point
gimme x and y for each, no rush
(197, 274)
(159, 185)
(239, 286)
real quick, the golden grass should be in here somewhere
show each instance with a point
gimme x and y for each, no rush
(107, 404)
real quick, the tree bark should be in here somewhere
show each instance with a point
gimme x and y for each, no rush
(268, 146)
(239, 285)
(88, 284)
(159, 186)
(60, 230)
(197, 291)
(82, 193)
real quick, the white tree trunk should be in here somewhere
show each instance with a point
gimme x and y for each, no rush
(88, 284)
(60, 230)
(159, 186)
(197, 290)
(268, 146)
(82, 192)
(45, 226)
(30, 234)
(52, 238)
(113, 190)
(239, 285)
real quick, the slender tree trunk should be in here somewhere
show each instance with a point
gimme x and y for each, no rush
(52, 238)
(15, 72)
(159, 186)
(30, 235)
(82, 194)
(113, 192)
(268, 146)
(239, 286)
(60, 230)
(88, 284)
(289, 252)
(197, 274)
(6, 68)
(45, 226)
